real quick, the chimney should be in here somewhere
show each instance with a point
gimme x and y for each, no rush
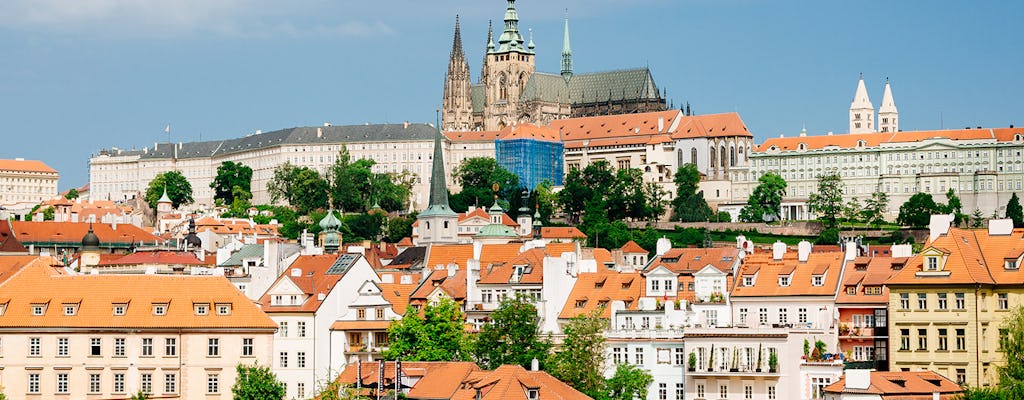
(938, 226)
(1000, 227)
(803, 250)
(405, 125)
(662, 247)
(452, 268)
(851, 250)
(319, 132)
(661, 124)
(901, 250)
(534, 365)
(478, 248)
(778, 250)
(859, 379)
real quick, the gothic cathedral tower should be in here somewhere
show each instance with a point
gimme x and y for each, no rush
(457, 103)
(507, 69)
(862, 112)
(887, 114)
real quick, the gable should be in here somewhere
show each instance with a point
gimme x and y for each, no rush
(660, 271)
(709, 271)
(285, 286)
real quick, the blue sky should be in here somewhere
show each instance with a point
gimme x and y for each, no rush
(81, 75)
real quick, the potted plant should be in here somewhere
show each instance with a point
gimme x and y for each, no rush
(692, 362)
(807, 348)
(711, 359)
(819, 347)
(735, 358)
(773, 363)
(844, 330)
(759, 357)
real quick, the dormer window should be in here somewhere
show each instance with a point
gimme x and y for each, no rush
(1011, 264)
(201, 308)
(3, 308)
(851, 290)
(802, 146)
(931, 264)
(38, 309)
(160, 309)
(224, 309)
(818, 280)
(873, 290)
(748, 281)
(784, 280)
(533, 394)
(581, 303)
(120, 308)
(70, 309)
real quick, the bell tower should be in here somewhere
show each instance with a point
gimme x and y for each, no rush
(457, 104)
(862, 112)
(508, 69)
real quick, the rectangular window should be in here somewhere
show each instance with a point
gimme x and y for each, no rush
(943, 339)
(62, 347)
(762, 316)
(904, 301)
(302, 328)
(282, 359)
(958, 301)
(922, 339)
(1003, 301)
(118, 383)
(213, 347)
(94, 383)
(662, 391)
(639, 355)
(783, 315)
(95, 346)
(922, 301)
(1003, 335)
(147, 347)
(700, 390)
(943, 305)
(119, 344)
(748, 392)
(904, 339)
(33, 347)
(170, 383)
(62, 383)
(801, 315)
(818, 387)
(146, 383)
(283, 329)
(170, 346)
(212, 383)
(247, 347)
(771, 392)
(743, 316)
(300, 388)
(617, 355)
(300, 359)
(33, 383)
(961, 376)
(680, 391)
(723, 391)
(361, 314)
(680, 356)
(961, 339)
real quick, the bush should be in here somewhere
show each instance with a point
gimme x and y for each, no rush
(828, 236)
(724, 216)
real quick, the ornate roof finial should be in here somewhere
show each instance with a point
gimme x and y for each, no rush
(566, 51)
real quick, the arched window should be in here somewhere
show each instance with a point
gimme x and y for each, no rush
(732, 156)
(679, 157)
(724, 157)
(693, 156)
(502, 87)
(714, 157)
(445, 224)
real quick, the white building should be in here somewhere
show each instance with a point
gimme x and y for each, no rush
(25, 183)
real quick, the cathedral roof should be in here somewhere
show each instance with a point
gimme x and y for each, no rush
(545, 87)
(477, 94)
(626, 84)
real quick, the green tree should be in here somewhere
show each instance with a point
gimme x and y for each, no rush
(48, 213)
(256, 382)
(436, 336)
(977, 219)
(511, 336)
(875, 208)
(229, 176)
(765, 202)
(477, 175)
(366, 226)
(545, 199)
(399, 228)
(579, 362)
(955, 207)
(917, 211)
(1011, 372)
(689, 204)
(140, 395)
(629, 382)
(302, 187)
(1015, 212)
(985, 393)
(582, 186)
(71, 194)
(179, 190)
(827, 202)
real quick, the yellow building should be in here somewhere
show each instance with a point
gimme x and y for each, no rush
(947, 304)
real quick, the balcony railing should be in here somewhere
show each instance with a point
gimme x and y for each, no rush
(645, 333)
(721, 370)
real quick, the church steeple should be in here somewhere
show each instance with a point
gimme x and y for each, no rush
(566, 53)
(887, 114)
(511, 39)
(437, 223)
(862, 112)
(458, 107)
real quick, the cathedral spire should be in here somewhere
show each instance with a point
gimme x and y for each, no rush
(862, 112)
(490, 36)
(438, 188)
(511, 39)
(888, 115)
(457, 41)
(566, 52)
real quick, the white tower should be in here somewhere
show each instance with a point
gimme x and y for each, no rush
(861, 111)
(888, 116)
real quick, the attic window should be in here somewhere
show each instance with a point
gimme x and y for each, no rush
(201, 308)
(160, 309)
(581, 303)
(70, 309)
(532, 394)
(784, 281)
(120, 308)
(873, 290)
(931, 263)
(802, 146)
(224, 309)
(818, 280)
(748, 281)
(38, 309)
(1011, 264)
(851, 290)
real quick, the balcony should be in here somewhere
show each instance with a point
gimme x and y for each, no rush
(743, 370)
(641, 334)
(857, 333)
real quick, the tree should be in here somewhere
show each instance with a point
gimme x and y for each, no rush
(477, 175)
(256, 382)
(399, 228)
(511, 336)
(71, 194)
(765, 202)
(875, 208)
(364, 226)
(984, 393)
(583, 186)
(827, 202)
(689, 204)
(917, 211)
(580, 360)
(629, 382)
(436, 336)
(178, 189)
(140, 395)
(977, 219)
(229, 176)
(954, 206)
(1015, 212)
(302, 187)
(545, 200)
(1011, 372)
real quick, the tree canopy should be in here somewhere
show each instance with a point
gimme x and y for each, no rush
(256, 382)
(436, 336)
(618, 194)
(579, 362)
(302, 187)
(356, 188)
(689, 204)
(72, 194)
(875, 208)
(233, 180)
(511, 336)
(179, 190)
(765, 202)
(477, 176)
(827, 202)
(917, 211)
(1015, 212)
(629, 382)
(955, 207)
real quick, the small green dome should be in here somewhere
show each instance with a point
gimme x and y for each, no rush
(330, 222)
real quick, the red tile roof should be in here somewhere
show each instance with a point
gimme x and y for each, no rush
(530, 131)
(690, 260)
(561, 232)
(156, 257)
(971, 257)
(436, 380)
(398, 295)
(26, 166)
(513, 382)
(632, 247)
(9, 243)
(902, 385)
(72, 232)
(599, 289)
(850, 140)
(312, 280)
(501, 273)
(866, 272)
(767, 272)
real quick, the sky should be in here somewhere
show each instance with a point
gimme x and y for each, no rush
(77, 76)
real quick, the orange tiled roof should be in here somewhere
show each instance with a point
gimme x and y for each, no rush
(513, 382)
(156, 257)
(473, 136)
(690, 260)
(72, 232)
(10, 265)
(768, 271)
(398, 295)
(312, 271)
(405, 242)
(376, 325)
(555, 249)
(454, 286)
(501, 273)
(973, 257)
(26, 166)
(711, 125)
(594, 288)
(632, 247)
(850, 140)
(9, 243)
(865, 272)
(561, 232)
(436, 380)
(95, 296)
(458, 254)
(903, 385)
(529, 131)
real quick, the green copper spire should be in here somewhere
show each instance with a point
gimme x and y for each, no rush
(566, 52)
(490, 37)
(511, 39)
(438, 189)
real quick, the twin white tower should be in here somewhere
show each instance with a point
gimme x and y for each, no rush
(862, 112)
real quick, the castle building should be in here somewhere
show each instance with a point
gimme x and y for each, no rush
(511, 90)
(862, 112)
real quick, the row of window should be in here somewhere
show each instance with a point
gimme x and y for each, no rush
(675, 356)
(170, 347)
(941, 336)
(146, 383)
(942, 300)
(121, 309)
(723, 392)
(300, 330)
(300, 359)
(782, 316)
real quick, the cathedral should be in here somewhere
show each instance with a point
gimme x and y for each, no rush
(511, 91)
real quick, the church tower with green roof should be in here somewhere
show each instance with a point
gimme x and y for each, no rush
(438, 224)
